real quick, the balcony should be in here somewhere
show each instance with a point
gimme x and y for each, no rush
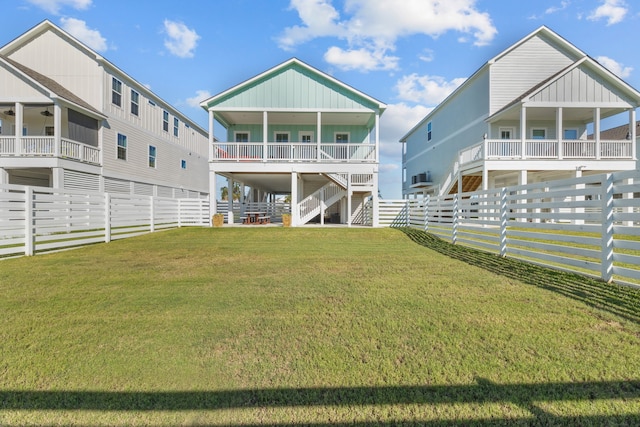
(543, 149)
(45, 146)
(293, 152)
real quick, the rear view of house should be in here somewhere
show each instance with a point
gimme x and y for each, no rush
(295, 132)
(70, 119)
(524, 117)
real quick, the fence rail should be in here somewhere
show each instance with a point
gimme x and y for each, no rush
(589, 225)
(36, 219)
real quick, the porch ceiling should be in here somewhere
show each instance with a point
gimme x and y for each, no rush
(295, 118)
(278, 183)
(584, 115)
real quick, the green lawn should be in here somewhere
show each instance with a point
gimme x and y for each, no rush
(310, 326)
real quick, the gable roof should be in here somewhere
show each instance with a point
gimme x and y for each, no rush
(47, 25)
(278, 69)
(540, 31)
(53, 88)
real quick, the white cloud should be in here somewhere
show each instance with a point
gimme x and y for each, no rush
(360, 59)
(615, 67)
(200, 96)
(375, 25)
(181, 40)
(553, 9)
(429, 90)
(427, 55)
(611, 10)
(54, 6)
(88, 36)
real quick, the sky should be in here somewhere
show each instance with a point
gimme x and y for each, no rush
(408, 54)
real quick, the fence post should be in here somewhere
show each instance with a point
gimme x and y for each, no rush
(107, 217)
(152, 214)
(426, 212)
(179, 212)
(28, 221)
(454, 231)
(504, 220)
(606, 255)
(408, 211)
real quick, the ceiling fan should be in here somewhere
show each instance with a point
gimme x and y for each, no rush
(46, 113)
(10, 112)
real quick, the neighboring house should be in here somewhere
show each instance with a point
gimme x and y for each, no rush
(296, 131)
(523, 117)
(71, 119)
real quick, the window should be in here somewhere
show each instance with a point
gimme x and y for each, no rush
(342, 138)
(165, 120)
(152, 156)
(122, 147)
(242, 136)
(282, 137)
(570, 134)
(116, 92)
(134, 102)
(306, 137)
(175, 126)
(538, 133)
(183, 164)
(506, 133)
(48, 130)
(429, 131)
(153, 104)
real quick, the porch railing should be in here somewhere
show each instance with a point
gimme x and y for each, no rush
(508, 149)
(293, 152)
(45, 146)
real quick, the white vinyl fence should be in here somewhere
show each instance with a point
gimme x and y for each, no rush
(37, 219)
(589, 225)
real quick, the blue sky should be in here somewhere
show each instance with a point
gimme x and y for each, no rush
(409, 54)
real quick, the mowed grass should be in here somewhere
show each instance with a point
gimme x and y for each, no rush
(310, 326)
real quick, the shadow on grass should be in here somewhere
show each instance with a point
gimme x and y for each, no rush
(620, 300)
(483, 392)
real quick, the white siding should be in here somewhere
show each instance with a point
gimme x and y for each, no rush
(56, 57)
(74, 180)
(524, 67)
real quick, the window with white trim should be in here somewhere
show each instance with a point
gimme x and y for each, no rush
(342, 137)
(306, 136)
(183, 164)
(122, 147)
(282, 137)
(165, 120)
(116, 92)
(135, 102)
(538, 133)
(241, 136)
(507, 133)
(176, 122)
(429, 131)
(152, 156)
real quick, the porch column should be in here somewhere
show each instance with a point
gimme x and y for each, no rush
(57, 178)
(319, 133)
(213, 194)
(231, 184)
(375, 200)
(523, 132)
(19, 125)
(459, 181)
(349, 195)
(294, 199)
(596, 131)
(57, 129)
(211, 141)
(377, 125)
(632, 132)
(265, 136)
(4, 176)
(323, 208)
(559, 132)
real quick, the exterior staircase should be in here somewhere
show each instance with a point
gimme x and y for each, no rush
(469, 183)
(311, 206)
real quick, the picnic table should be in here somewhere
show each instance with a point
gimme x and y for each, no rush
(255, 218)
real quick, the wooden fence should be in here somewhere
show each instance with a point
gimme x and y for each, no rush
(36, 219)
(589, 225)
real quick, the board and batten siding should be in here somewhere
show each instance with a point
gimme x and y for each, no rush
(58, 58)
(524, 67)
(580, 85)
(295, 88)
(13, 87)
(456, 123)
